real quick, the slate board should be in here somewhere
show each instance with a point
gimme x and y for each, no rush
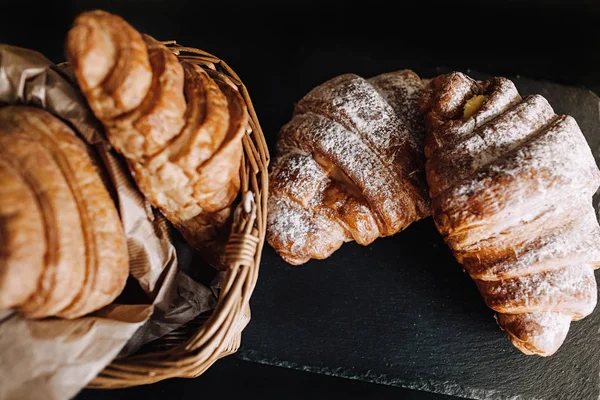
(401, 311)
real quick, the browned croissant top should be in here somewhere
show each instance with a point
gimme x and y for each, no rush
(511, 184)
(348, 166)
(179, 126)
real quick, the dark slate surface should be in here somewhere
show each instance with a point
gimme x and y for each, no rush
(232, 378)
(401, 312)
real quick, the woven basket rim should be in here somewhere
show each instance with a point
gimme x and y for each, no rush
(220, 335)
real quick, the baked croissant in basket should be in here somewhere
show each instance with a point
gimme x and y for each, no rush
(511, 184)
(349, 166)
(178, 125)
(62, 247)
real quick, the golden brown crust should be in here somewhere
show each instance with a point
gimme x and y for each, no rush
(107, 264)
(353, 104)
(170, 178)
(539, 333)
(110, 60)
(82, 284)
(22, 237)
(218, 178)
(349, 166)
(184, 157)
(64, 269)
(195, 146)
(543, 291)
(143, 128)
(146, 129)
(218, 184)
(443, 100)
(511, 184)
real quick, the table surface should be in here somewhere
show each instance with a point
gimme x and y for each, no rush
(558, 42)
(231, 377)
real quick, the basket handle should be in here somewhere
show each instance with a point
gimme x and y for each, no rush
(241, 247)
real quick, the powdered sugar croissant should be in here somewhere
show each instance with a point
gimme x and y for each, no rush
(511, 184)
(179, 126)
(348, 166)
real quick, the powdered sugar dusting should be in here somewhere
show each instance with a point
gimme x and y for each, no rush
(299, 176)
(401, 90)
(463, 88)
(297, 185)
(568, 290)
(527, 176)
(548, 319)
(300, 233)
(369, 159)
(513, 197)
(502, 95)
(355, 104)
(491, 141)
(578, 242)
(379, 184)
(510, 130)
(289, 222)
(542, 331)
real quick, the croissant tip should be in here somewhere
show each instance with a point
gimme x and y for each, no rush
(529, 349)
(539, 334)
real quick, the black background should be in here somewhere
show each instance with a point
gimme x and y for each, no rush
(281, 49)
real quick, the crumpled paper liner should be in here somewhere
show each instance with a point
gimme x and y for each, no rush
(53, 358)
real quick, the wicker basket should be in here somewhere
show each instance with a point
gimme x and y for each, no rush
(191, 350)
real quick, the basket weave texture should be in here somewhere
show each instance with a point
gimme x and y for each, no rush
(191, 350)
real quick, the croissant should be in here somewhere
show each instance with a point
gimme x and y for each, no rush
(511, 184)
(349, 166)
(179, 127)
(62, 249)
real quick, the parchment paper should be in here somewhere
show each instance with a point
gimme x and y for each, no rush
(52, 358)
